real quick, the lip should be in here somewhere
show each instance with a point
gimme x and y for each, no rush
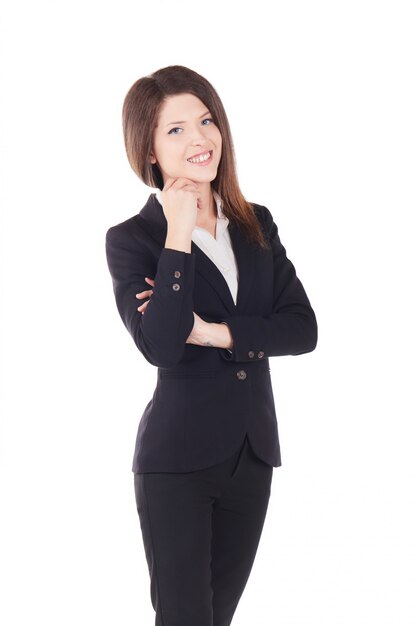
(203, 163)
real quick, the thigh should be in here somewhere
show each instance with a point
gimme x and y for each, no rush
(175, 516)
(238, 519)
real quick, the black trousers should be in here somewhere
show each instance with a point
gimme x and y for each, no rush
(200, 532)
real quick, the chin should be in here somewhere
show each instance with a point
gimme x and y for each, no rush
(196, 175)
(204, 177)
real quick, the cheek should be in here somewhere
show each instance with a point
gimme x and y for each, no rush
(171, 159)
(167, 153)
(217, 137)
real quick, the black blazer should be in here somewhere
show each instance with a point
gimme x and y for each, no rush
(206, 399)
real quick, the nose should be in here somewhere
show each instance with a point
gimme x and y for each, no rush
(198, 136)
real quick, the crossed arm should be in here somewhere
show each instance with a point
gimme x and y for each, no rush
(204, 333)
(161, 334)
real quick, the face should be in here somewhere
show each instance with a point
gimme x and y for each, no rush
(184, 130)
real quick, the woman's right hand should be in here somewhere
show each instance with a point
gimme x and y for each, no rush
(179, 199)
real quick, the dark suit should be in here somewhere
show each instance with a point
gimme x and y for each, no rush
(206, 399)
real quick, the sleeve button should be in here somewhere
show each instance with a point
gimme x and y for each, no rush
(176, 287)
(177, 274)
(261, 354)
(251, 354)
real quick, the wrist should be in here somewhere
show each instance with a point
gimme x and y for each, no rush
(178, 241)
(217, 335)
(229, 336)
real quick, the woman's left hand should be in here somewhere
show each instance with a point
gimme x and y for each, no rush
(197, 332)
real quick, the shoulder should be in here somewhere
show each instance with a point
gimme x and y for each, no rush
(129, 240)
(136, 227)
(264, 216)
(122, 230)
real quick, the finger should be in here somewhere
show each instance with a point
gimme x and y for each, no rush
(192, 188)
(143, 306)
(182, 182)
(150, 280)
(168, 183)
(144, 294)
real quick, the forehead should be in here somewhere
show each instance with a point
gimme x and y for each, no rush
(179, 107)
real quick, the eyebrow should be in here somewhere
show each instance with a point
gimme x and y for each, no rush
(184, 121)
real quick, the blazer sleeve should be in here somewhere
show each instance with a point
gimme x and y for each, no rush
(291, 327)
(161, 332)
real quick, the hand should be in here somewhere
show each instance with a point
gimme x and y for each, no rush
(198, 331)
(179, 199)
(210, 334)
(144, 294)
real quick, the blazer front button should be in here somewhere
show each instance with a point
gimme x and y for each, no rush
(177, 274)
(251, 354)
(241, 374)
(176, 287)
(261, 354)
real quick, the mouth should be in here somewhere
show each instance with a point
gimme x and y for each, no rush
(204, 158)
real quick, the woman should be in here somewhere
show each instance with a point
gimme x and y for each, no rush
(203, 285)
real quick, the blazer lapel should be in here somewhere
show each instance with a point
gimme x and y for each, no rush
(245, 259)
(153, 215)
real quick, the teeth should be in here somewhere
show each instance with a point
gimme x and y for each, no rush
(203, 157)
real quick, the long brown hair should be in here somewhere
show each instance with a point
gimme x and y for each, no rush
(140, 116)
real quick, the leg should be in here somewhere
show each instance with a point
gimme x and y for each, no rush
(175, 516)
(238, 519)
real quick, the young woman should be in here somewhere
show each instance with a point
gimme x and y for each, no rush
(203, 284)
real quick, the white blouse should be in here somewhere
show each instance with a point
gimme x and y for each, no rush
(218, 249)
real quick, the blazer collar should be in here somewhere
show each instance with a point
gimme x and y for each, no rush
(154, 216)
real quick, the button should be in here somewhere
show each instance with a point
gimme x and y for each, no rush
(177, 274)
(251, 354)
(176, 287)
(261, 354)
(241, 374)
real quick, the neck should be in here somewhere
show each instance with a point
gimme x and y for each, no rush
(207, 209)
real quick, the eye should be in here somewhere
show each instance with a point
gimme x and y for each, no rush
(208, 119)
(171, 132)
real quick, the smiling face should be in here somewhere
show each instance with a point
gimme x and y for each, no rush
(185, 130)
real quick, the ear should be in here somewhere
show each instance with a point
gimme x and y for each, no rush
(152, 158)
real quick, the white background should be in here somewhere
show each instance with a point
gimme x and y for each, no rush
(321, 98)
